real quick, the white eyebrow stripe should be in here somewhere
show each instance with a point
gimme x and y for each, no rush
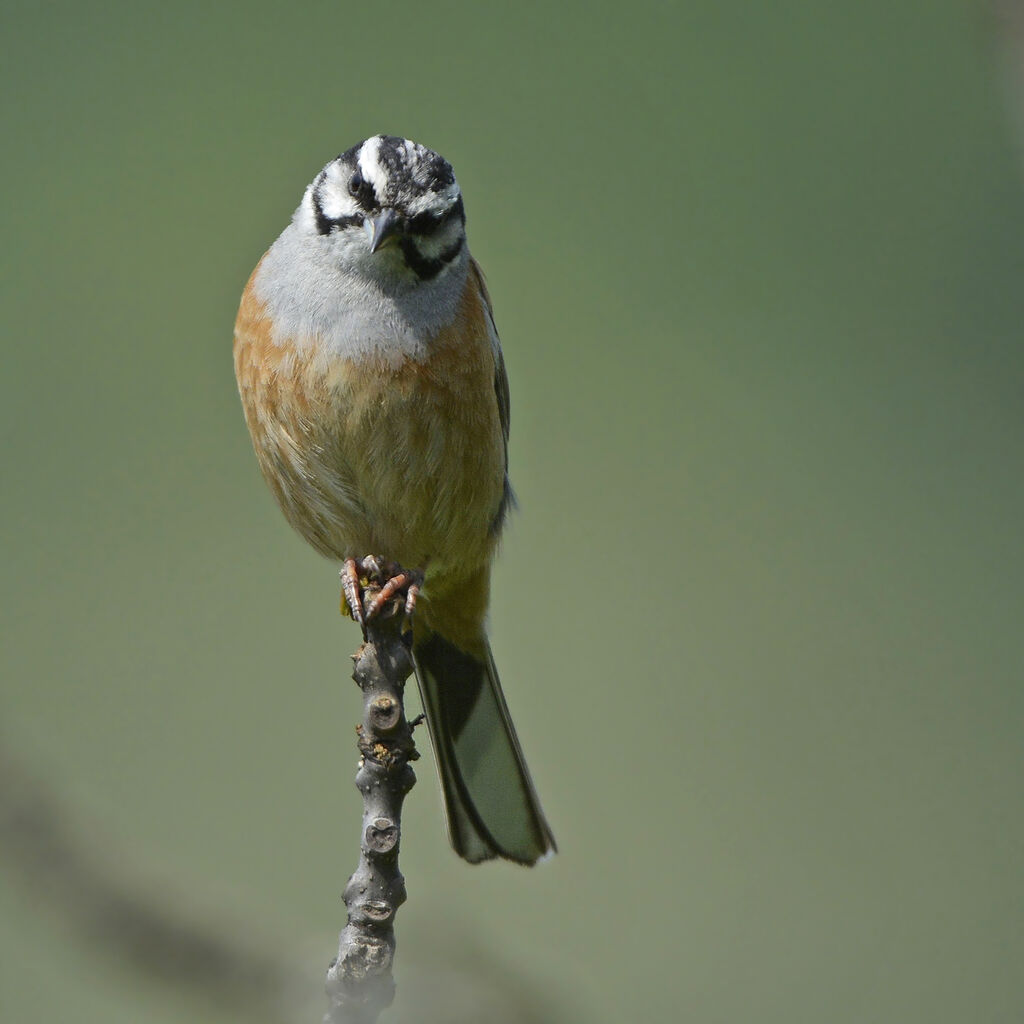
(370, 168)
(332, 190)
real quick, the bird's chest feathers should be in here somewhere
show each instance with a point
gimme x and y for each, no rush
(430, 422)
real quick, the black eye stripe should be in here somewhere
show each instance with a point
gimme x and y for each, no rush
(324, 224)
(424, 223)
(362, 192)
(367, 197)
(427, 222)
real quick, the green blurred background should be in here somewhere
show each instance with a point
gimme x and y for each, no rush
(757, 270)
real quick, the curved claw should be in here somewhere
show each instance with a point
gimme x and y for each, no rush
(404, 579)
(350, 588)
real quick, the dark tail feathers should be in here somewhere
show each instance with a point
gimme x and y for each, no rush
(490, 802)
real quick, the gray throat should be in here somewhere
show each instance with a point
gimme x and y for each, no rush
(311, 295)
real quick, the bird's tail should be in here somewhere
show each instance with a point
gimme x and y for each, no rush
(491, 805)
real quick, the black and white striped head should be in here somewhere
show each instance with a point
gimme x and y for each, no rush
(388, 208)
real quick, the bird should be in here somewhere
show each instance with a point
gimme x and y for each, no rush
(374, 389)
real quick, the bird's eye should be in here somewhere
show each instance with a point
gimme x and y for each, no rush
(355, 184)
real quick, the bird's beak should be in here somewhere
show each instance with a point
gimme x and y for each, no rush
(382, 227)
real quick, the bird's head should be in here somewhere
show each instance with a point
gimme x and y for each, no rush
(388, 208)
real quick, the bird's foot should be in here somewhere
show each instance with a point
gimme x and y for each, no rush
(397, 582)
(381, 582)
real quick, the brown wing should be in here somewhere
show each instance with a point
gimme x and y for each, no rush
(501, 392)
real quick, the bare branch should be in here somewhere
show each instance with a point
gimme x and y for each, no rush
(359, 980)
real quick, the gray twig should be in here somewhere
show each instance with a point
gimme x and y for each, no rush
(359, 980)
